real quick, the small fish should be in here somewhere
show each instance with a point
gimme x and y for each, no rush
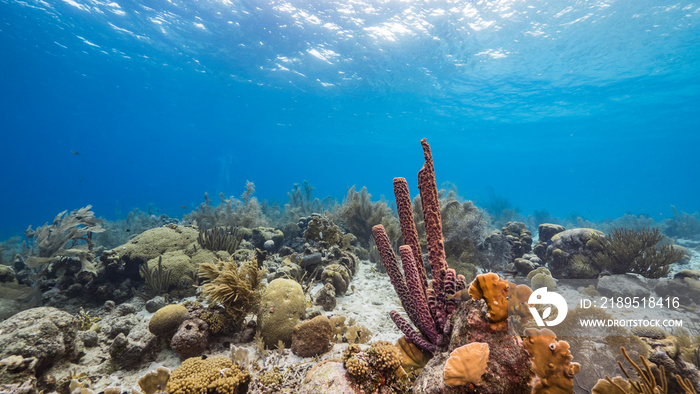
(183, 206)
(126, 230)
(75, 152)
(461, 295)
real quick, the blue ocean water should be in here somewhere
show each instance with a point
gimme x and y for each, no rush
(578, 107)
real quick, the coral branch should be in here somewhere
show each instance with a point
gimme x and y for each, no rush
(408, 226)
(411, 334)
(392, 269)
(425, 322)
(433, 222)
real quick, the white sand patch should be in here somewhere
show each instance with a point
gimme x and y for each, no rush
(368, 302)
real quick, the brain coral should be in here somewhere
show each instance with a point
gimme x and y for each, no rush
(215, 374)
(281, 308)
(167, 319)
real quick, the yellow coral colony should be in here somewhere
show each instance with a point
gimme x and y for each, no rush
(466, 364)
(494, 290)
(517, 301)
(551, 362)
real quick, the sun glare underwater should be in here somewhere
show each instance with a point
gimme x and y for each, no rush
(162, 150)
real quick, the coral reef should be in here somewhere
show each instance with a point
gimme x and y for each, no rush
(246, 212)
(649, 380)
(126, 260)
(569, 253)
(546, 231)
(541, 277)
(465, 227)
(508, 368)
(496, 252)
(208, 375)
(326, 297)
(337, 276)
(321, 229)
(494, 290)
(631, 251)
(157, 280)
(683, 224)
(519, 237)
(301, 202)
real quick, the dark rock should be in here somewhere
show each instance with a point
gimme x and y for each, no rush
(125, 309)
(547, 230)
(89, 338)
(136, 349)
(110, 305)
(112, 325)
(311, 259)
(154, 304)
(7, 274)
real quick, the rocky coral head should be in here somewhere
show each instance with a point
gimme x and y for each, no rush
(466, 364)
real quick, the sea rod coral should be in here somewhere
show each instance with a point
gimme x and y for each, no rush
(428, 307)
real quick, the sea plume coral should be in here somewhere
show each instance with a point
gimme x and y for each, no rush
(236, 287)
(358, 214)
(69, 236)
(631, 251)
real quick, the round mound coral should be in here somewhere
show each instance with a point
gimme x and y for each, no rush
(167, 319)
(281, 308)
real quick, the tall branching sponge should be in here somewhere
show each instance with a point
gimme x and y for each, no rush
(636, 252)
(235, 287)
